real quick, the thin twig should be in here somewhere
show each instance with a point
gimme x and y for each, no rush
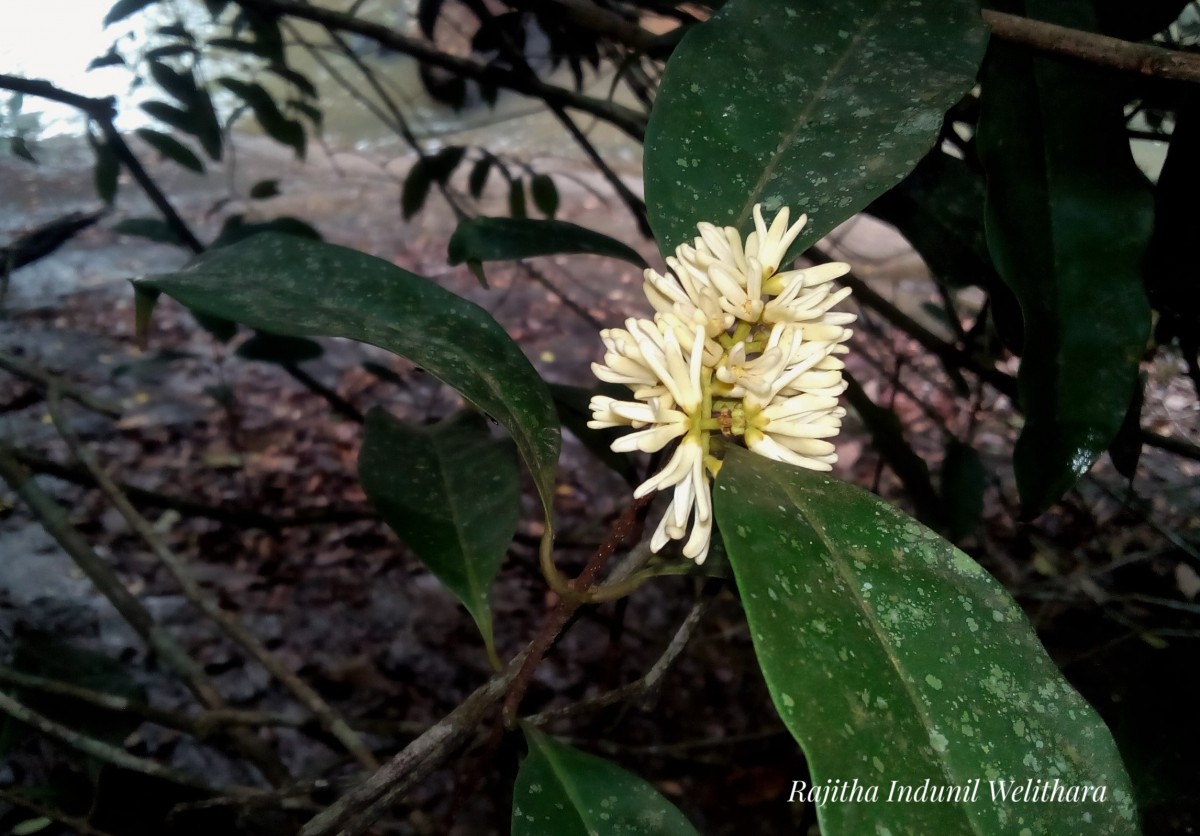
(37, 805)
(104, 751)
(54, 520)
(329, 717)
(44, 380)
(1102, 50)
(233, 515)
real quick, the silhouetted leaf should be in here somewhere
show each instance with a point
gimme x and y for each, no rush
(123, 9)
(545, 195)
(171, 148)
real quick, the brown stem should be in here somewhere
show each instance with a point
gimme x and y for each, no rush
(1102, 50)
(623, 531)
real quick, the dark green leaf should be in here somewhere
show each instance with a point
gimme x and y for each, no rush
(1070, 244)
(112, 58)
(236, 229)
(893, 657)
(264, 189)
(170, 51)
(311, 111)
(298, 79)
(176, 30)
(427, 15)
(107, 170)
(199, 120)
(442, 164)
(574, 414)
(505, 239)
(124, 8)
(478, 177)
(1126, 448)
(296, 287)
(277, 126)
(516, 198)
(821, 108)
(273, 348)
(171, 148)
(561, 791)
(215, 7)
(964, 480)
(416, 188)
(545, 195)
(452, 493)
(181, 85)
(236, 45)
(267, 36)
(20, 148)
(153, 229)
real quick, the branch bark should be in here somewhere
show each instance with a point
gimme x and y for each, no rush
(1102, 50)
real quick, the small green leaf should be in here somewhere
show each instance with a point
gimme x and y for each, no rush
(236, 229)
(30, 826)
(442, 164)
(452, 493)
(171, 148)
(478, 177)
(1070, 244)
(516, 198)
(107, 171)
(820, 107)
(416, 188)
(545, 194)
(152, 229)
(123, 9)
(277, 126)
(266, 347)
(561, 791)
(264, 189)
(112, 58)
(20, 149)
(181, 85)
(893, 657)
(508, 239)
(292, 286)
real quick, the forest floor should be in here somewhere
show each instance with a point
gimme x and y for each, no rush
(1108, 577)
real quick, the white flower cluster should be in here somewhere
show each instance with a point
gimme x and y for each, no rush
(737, 352)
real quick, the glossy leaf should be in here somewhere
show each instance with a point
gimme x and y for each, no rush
(1070, 244)
(452, 493)
(892, 656)
(171, 148)
(562, 791)
(819, 107)
(477, 240)
(545, 194)
(296, 287)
